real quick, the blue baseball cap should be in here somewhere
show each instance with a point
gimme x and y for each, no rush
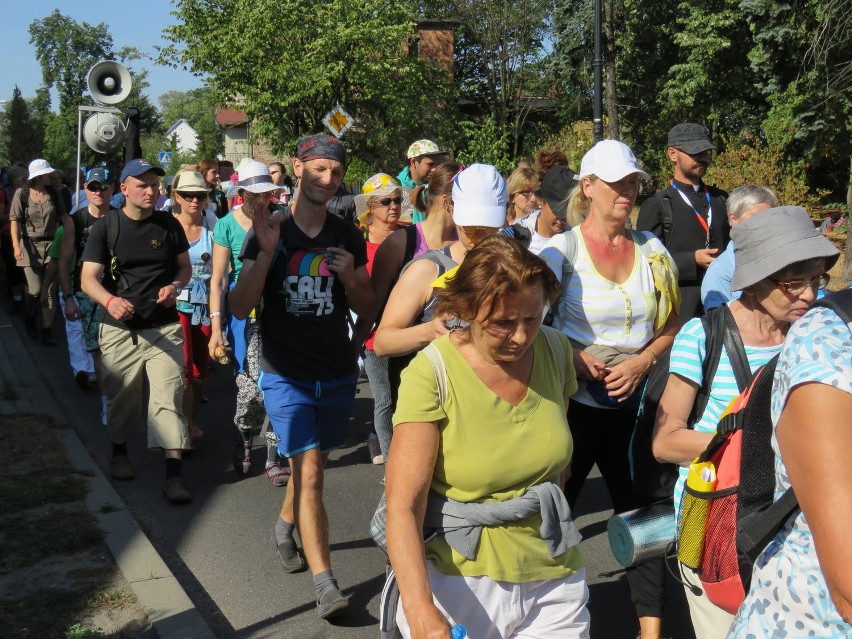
(97, 174)
(137, 167)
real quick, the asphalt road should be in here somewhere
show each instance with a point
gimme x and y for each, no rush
(219, 546)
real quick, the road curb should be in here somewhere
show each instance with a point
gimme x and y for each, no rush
(170, 610)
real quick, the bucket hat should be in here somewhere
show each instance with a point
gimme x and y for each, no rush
(39, 167)
(774, 239)
(610, 160)
(479, 197)
(189, 182)
(254, 177)
(379, 185)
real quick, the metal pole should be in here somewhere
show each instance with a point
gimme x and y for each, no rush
(597, 66)
(79, 140)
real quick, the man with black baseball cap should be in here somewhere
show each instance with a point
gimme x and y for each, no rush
(689, 216)
(135, 264)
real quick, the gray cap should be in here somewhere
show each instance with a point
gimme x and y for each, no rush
(555, 187)
(774, 239)
(690, 138)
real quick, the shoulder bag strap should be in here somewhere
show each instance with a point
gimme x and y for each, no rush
(437, 360)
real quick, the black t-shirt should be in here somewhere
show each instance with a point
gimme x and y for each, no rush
(146, 252)
(83, 221)
(304, 320)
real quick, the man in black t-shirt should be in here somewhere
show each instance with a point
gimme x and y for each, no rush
(689, 217)
(142, 257)
(310, 270)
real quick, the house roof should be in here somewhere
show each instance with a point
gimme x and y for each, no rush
(177, 125)
(230, 117)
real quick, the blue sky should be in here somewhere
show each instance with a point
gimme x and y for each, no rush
(131, 24)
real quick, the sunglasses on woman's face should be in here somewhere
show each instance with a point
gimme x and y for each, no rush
(387, 201)
(192, 196)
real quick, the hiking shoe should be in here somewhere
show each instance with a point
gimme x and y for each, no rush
(82, 380)
(331, 604)
(175, 491)
(120, 468)
(289, 555)
(277, 475)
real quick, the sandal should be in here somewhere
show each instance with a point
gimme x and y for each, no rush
(277, 475)
(242, 459)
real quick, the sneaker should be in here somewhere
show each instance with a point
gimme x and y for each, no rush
(331, 604)
(120, 468)
(175, 491)
(374, 450)
(277, 475)
(289, 555)
(82, 380)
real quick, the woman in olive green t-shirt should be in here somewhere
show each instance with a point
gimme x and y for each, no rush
(499, 431)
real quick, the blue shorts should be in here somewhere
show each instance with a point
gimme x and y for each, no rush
(308, 415)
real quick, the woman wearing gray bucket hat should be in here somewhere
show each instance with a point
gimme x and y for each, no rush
(781, 263)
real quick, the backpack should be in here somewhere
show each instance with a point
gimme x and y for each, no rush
(728, 519)
(667, 213)
(656, 480)
(55, 199)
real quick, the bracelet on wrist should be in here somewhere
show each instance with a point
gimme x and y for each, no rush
(653, 356)
(109, 301)
(215, 314)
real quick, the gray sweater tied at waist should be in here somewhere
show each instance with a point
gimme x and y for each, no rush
(461, 523)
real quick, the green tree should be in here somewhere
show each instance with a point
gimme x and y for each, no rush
(288, 63)
(21, 141)
(198, 108)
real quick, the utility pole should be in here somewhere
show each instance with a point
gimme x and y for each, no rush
(597, 66)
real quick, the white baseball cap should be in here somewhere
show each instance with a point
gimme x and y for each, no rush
(610, 160)
(479, 197)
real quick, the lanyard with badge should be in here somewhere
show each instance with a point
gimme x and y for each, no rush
(705, 224)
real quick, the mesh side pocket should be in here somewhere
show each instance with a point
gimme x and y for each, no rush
(720, 544)
(692, 524)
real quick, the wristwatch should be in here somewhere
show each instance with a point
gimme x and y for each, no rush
(178, 288)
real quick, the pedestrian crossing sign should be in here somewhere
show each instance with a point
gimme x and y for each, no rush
(338, 121)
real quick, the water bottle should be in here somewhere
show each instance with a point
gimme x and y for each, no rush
(459, 632)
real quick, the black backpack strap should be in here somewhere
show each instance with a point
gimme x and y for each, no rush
(752, 539)
(714, 334)
(840, 302)
(736, 350)
(410, 242)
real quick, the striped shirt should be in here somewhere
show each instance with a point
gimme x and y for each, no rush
(596, 310)
(687, 356)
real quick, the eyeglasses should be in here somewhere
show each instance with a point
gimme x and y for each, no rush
(97, 188)
(387, 201)
(797, 287)
(192, 196)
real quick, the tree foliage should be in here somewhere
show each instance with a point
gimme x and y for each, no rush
(286, 64)
(20, 134)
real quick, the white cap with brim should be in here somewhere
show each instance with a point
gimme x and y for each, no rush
(479, 197)
(610, 160)
(774, 239)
